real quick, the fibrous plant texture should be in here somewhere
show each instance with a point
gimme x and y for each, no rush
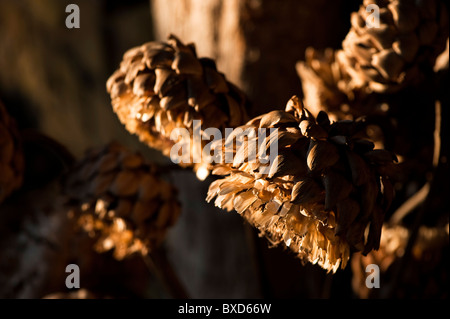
(163, 86)
(323, 196)
(383, 57)
(120, 199)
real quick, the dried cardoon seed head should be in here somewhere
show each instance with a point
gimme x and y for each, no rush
(117, 197)
(162, 86)
(324, 81)
(410, 36)
(382, 59)
(319, 195)
(11, 156)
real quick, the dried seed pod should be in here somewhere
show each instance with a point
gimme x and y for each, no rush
(306, 191)
(321, 155)
(397, 51)
(160, 87)
(382, 58)
(318, 196)
(118, 198)
(11, 155)
(324, 81)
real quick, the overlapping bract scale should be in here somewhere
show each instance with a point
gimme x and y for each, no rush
(120, 199)
(161, 86)
(323, 196)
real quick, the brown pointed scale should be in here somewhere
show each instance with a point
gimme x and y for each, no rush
(355, 235)
(381, 37)
(337, 188)
(323, 120)
(374, 235)
(125, 203)
(159, 59)
(312, 130)
(287, 164)
(215, 81)
(198, 93)
(162, 86)
(143, 84)
(380, 157)
(388, 63)
(405, 15)
(407, 46)
(175, 98)
(274, 118)
(362, 146)
(306, 191)
(369, 198)
(346, 212)
(185, 63)
(321, 154)
(311, 198)
(165, 80)
(360, 170)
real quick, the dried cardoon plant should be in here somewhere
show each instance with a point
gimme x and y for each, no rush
(120, 199)
(400, 52)
(11, 155)
(163, 86)
(324, 196)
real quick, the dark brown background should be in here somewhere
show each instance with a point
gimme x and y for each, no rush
(53, 79)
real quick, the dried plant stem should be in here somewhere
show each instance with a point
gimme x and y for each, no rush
(409, 205)
(161, 268)
(437, 134)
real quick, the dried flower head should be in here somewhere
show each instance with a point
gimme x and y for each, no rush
(383, 59)
(117, 197)
(11, 156)
(162, 86)
(325, 188)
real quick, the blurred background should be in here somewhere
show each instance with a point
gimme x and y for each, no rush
(53, 80)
